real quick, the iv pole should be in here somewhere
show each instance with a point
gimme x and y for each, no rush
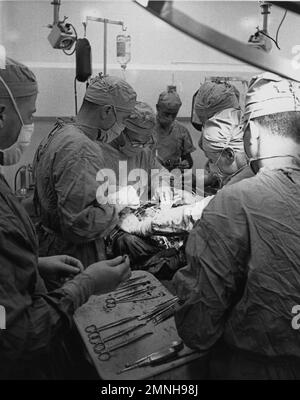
(105, 21)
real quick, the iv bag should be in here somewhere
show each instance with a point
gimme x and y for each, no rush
(123, 50)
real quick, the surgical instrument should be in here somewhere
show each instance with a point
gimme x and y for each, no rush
(156, 358)
(104, 354)
(95, 338)
(134, 293)
(94, 329)
(130, 287)
(158, 309)
(131, 280)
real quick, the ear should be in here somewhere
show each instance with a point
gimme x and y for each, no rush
(229, 154)
(105, 111)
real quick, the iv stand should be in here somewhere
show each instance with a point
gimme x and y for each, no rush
(105, 21)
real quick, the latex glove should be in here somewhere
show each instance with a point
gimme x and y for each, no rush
(108, 274)
(184, 197)
(165, 195)
(55, 267)
(126, 197)
(180, 218)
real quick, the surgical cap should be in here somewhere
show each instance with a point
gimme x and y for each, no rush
(224, 129)
(170, 101)
(214, 97)
(111, 90)
(20, 80)
(141, 121)
(270, 94)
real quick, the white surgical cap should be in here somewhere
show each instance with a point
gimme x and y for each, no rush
(270, 94)
(224, 129)
(111, 90)
(213, 97)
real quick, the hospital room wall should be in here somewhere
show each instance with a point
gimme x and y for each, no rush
(161, 55)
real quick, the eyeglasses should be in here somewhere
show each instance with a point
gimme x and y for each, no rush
(139, 144)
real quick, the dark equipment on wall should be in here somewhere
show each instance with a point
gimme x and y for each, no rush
(83, 60)
(83, 64)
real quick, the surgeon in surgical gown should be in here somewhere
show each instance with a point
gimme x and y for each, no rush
(66, 166)
(242, 280)
(134, 150)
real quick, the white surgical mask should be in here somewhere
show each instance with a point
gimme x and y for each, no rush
(13, 154)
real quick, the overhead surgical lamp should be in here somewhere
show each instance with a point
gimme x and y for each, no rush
(63, 34)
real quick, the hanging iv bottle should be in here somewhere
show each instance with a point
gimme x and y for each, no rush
(123, 50)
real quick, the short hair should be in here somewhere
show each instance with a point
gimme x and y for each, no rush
(285, 124)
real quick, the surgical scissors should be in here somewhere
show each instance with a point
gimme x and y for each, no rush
(111, 302)
(94, 329)
(104, 353)
(99, 343)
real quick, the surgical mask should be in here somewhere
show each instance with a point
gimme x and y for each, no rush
(215, 170)
(112, 133)
(222, 176)
(13, 154)
(252, 161)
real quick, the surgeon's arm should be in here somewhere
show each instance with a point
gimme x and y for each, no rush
(34, 318)
(82, 217)
(211, 282)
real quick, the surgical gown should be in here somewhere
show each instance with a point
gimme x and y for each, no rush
(35, 319)
(175, 145)
(144, 160)
(243, 278)
(66, 166)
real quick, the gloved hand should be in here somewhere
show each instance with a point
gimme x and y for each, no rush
(182, 197)
(55, 267)
(180, 218)
(164, 194)
(125, 197)
(108, 274)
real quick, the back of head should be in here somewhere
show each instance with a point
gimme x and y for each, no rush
(223, 130)
(169, 102)
(274, 103)
(111, 90)
(214, 97)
